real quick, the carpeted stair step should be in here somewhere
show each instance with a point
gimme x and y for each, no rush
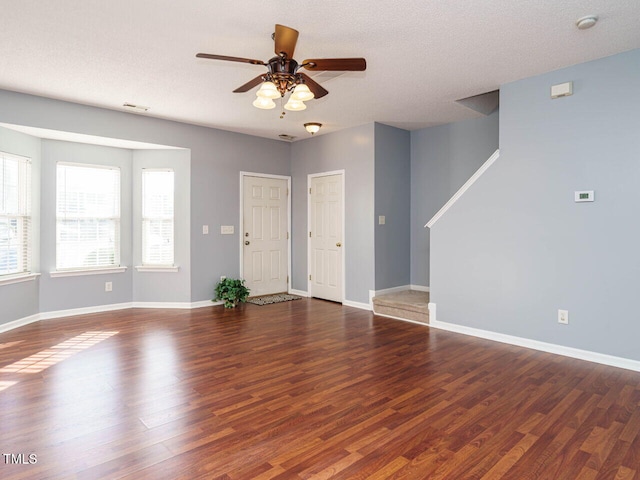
(407, 304)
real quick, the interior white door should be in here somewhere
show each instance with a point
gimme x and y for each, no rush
(264, 235)
(326, 237)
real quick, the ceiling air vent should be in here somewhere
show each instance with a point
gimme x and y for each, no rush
(288, 138)
(136, 108)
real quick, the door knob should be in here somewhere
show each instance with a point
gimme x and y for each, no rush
(338, 244)
(247, 242)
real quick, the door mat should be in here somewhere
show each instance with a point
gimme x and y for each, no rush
(268, 299)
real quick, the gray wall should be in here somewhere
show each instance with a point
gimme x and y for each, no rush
(217, 157)
(163, 286)
(20, 300)
(442, 160)
(392, 199)
(516, 247)
(353, 151)
(64, 293)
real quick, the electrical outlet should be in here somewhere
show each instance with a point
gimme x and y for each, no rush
(563, 317)
(108, 286)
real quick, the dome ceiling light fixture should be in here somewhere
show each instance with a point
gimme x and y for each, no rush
(312, 127)
(586, 22)
(282, 75)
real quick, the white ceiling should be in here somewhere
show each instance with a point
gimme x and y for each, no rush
(422, 55)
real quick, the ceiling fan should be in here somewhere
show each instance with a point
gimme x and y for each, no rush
(282, 72)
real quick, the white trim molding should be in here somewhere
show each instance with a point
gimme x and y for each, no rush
(89, 271)
(464, 188)
(22, 277)
(595, 357)
(157, 268)
(300, 293)
(363, 306)
(21, 322)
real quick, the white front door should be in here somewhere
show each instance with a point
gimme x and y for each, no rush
(264, 235)
(326, 237)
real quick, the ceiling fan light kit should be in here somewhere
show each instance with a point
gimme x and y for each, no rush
(264, 103)
(295, 105)
(283, 77)
(268, 90)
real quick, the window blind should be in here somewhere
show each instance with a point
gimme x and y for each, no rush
(15, 214)
(87, 216)
(157, 217)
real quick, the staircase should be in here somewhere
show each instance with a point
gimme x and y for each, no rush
(407, 305)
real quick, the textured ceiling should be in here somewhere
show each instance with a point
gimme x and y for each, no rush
(422, 55)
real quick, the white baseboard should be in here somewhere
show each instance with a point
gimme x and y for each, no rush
(21, 322)
(418, 288)
(363, 306)
(177, 305)
(300, 293)
(541, 346)
(84, 310)
(205, 303)
(5, 327)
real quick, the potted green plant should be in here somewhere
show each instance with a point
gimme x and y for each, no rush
(231, 291)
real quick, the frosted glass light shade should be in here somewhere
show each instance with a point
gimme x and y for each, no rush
(312, 127)
(295, 105)
(302, 93)
(268, 90)
(264, 103)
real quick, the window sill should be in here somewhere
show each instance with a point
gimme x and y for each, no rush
(157, 268)
(19, 278)
(89, 271)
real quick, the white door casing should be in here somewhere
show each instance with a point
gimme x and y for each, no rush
(326, 236)
(264, 235)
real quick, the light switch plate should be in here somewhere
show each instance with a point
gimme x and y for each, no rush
(205, 229)
(226, 229)
(382, 220)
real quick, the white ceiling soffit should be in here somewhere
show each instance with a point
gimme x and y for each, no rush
(89, 139)
(421, 55)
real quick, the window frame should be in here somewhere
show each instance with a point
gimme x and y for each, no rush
(147, 266)
(116, 266)
(23, 216)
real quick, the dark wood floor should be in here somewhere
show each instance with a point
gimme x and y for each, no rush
(303, 389)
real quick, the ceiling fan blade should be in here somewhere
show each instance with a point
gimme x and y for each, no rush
(336, 64)
(249, 85)
(230, 59)
(318, 90)
(285, 39)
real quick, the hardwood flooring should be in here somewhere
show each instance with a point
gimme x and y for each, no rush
(303, 389)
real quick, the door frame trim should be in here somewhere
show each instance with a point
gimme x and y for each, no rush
(311, 176)
(241, 224)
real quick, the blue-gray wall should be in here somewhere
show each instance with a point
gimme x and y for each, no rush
(392, 199)
(352, 150)
(442, 160)
(20, 300)
(63, 293)
(217, 157)
(516, 247)
(163, 286)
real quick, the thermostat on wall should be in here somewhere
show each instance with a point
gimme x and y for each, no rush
(584, 196)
